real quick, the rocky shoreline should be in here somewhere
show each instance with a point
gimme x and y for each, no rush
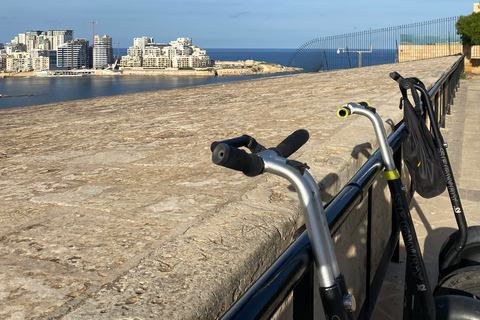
(250, 67)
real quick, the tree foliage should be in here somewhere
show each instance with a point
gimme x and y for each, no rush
(468, 27)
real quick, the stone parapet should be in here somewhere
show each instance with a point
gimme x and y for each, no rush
(112, 209)
(409, 52)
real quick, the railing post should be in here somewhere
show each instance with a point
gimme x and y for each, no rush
(303, 298)
(444, 104)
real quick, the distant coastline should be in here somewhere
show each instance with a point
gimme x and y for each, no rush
(43, 90)
(219, 68)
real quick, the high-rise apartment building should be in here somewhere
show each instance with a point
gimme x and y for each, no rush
(102, 52)
(74, 54)
(59, 37)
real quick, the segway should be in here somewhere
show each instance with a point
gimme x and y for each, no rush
(419, 300)
(462, 248)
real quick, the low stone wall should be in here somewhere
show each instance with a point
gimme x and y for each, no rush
(112, 209)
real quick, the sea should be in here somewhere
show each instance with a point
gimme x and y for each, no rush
(43, 90)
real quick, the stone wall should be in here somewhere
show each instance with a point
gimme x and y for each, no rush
(112, 209)
(408, 52)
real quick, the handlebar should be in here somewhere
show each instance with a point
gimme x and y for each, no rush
(237, 159)
(347, 110)
(364, 109)
(227, 153)
(292, 143)
(405, 84)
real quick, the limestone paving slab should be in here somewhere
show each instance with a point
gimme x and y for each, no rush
(111, 208)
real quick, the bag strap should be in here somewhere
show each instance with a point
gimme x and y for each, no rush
(420, 101)
(412, 116)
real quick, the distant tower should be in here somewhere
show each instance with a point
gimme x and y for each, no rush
(102, 52)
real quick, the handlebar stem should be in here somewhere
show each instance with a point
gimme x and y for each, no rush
(315, 220)
(386, 151)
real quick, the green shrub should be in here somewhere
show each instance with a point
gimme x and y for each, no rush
(468, 27)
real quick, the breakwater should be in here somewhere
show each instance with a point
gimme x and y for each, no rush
(112, 208)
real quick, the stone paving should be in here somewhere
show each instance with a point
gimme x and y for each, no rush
(111, 208)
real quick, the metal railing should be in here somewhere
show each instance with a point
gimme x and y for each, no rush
(292, 272)
(430, 39)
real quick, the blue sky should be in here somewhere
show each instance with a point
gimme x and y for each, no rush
(220, 23)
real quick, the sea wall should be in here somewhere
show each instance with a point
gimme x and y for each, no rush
(165, 72)
(112, 209)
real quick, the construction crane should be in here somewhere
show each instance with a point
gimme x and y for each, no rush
(93, 39)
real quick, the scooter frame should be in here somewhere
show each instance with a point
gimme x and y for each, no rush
(419, 301)
(448, 262)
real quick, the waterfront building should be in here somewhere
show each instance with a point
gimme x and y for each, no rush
(102, 52)
(74, 54)
(18, 62)
(131, 61)
(41, 59)
(3, 62)
(177, 54)
(40, 63)
(153, 51)
(134, 52)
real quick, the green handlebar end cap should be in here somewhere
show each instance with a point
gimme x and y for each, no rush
(343, 113)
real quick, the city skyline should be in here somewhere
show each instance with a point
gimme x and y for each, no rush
(216, 24)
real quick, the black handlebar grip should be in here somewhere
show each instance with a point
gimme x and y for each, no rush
(292, 143)
(235, 142)
(396, 76)
(237, 159)
(405, 84)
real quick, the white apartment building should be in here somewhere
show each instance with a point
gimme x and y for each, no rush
(177, 54)
(102, 52)
(40, 63)
(157, 62)
(153, 51)
(134, 52)
(18, 62)
(131, 61)
(142, 42)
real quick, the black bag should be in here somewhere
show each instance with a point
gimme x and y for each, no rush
(419, 151)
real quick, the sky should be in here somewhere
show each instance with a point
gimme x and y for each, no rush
(220, 23)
